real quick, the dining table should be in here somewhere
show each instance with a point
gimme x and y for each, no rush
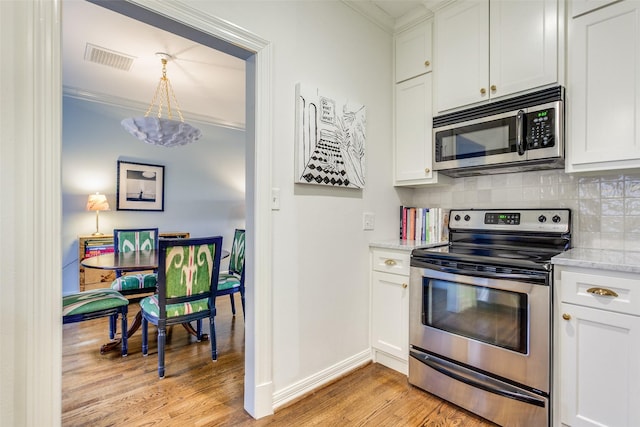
(129, 262)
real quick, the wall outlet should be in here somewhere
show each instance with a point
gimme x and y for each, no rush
(368, 221)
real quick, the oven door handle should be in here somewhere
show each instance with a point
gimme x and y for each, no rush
(476, 379)
(488, 274)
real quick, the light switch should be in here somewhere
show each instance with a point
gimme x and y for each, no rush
(275, 199)
(368, 221)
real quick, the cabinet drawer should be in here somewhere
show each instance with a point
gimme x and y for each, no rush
(612, 291)
(391, 262)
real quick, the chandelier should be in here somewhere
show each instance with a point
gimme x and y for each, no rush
(153, 128)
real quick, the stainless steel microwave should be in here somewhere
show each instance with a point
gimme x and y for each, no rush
(518, 134)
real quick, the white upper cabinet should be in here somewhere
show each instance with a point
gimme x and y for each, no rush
(413, 52)
(523, 45)
(413, 149)
(461, 54)
(490, 49)
(603, 89)
(579, 7)
(413, 137)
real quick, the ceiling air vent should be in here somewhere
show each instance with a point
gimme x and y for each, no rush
(107, 57)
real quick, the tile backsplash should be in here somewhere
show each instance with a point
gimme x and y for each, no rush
(605, 209)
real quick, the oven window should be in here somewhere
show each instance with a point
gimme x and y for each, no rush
(484, 314)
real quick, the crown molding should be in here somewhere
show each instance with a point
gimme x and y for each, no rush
(116, 101)
(373, 13)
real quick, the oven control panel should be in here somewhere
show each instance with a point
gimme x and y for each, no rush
(538, 220)
(512, 218)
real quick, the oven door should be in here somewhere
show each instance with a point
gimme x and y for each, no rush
(498, 325)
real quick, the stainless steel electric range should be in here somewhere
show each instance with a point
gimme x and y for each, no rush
(480, 313)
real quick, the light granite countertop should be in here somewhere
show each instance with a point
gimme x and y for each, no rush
(614, 260)
(406, 245)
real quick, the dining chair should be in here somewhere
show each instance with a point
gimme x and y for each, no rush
(232, 280)
(96, 303)
(188, 271)
(129, 240)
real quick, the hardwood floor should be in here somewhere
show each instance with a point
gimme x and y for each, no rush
(109, 390)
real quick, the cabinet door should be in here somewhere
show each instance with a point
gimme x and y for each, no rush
(523, 45)
(390, 314)
(599, 369)
(461, 54)
(413, 52)
(413, 136)
(579, 7)
(603, 89)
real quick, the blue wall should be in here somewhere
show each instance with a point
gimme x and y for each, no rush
(204, 181)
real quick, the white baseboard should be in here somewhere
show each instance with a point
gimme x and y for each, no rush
(390, 361)
(315, 381)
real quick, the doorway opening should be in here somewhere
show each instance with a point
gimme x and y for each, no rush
(257, 387)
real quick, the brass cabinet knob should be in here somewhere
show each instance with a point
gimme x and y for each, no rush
(427, 63)
(566, 316)
(483, 91)
(427, 170)
(493, 88)
(390, 262)
(404, 286)
(603, 292)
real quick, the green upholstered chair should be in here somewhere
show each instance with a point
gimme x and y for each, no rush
(232, 280)
(188, 271)
(129, 240)
(134, 239)
(94, 304)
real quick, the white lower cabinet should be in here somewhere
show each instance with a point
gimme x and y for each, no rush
(598, 357)
(390, 308)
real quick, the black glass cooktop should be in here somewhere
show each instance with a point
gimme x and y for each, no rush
(521, 257)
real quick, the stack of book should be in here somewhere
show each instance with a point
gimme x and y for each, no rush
(424, 224)
(97, 247)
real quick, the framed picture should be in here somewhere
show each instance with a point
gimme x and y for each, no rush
(330, 140)
(140, 187)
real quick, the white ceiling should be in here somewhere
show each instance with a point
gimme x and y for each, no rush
(208, 84)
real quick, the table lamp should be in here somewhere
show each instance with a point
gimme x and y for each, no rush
(97, 202)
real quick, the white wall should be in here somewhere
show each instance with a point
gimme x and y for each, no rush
(204, 181)
(320, 270)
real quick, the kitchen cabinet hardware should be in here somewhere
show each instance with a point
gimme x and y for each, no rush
(483, 91)
(427, 63)
(404, 286)
(566, 316)
(603, 292)
(493, 88)
(390, 262)
(427, 170)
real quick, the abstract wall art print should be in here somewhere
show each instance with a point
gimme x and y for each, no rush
(330, 140)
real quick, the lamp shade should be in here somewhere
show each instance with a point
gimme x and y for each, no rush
(97, 202)
(160, 131)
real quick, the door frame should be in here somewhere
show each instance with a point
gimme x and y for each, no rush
(31, 200)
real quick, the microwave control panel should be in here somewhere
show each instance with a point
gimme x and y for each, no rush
(540, 129)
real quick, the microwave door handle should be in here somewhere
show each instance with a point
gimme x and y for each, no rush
(520, 132)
